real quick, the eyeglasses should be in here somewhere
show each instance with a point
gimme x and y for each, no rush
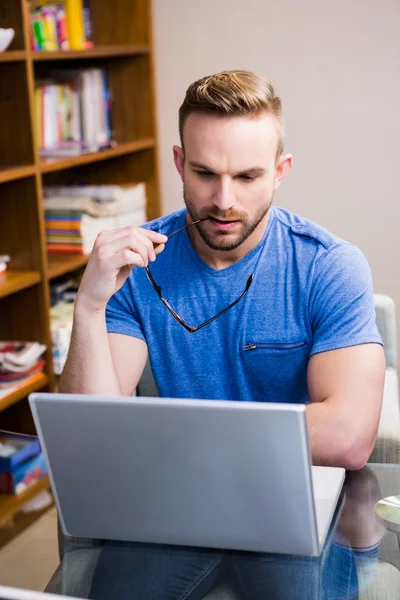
(165, 300)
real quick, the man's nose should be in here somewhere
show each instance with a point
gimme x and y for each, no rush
(224, 197)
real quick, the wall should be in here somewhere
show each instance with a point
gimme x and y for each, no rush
(336, 67)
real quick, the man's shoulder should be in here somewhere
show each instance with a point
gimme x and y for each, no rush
(307, 229)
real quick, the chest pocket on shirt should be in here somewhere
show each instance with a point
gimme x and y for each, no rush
(277, 370)
(252, 345)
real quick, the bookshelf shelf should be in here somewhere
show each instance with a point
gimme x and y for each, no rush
(16, 172)
(10, 505)
(40, 381)
(13, 56)
(60, 264)
(15, 281)
(49, 165)
(96, 52)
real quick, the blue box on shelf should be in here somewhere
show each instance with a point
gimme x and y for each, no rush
(25, 446)
(25, 475)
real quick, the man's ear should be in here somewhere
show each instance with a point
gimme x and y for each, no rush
(179, 159)
(283, 167)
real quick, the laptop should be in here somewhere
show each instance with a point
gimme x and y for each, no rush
(205, 473)
(11, 593)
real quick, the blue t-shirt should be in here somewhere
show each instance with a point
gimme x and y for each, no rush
(311, 292)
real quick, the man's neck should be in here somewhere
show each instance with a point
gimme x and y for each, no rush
(220, 259)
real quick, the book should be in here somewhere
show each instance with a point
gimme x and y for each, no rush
(17, 375)
(97, 201)
(62, 29)
(73, 112)
(87, 23)
(81, 239)
(49, 13)
(18, 356)
(76, 32)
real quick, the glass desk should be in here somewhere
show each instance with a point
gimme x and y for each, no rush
(361, 559)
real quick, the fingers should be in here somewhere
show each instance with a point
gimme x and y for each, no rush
(126, 258)
(113, 234)
(131, 239)
(159, 249)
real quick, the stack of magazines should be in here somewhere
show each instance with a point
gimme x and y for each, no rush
(20, 363)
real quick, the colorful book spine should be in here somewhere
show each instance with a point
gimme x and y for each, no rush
(87, 23)
(50, 26)
(65, 248)
(73, 117)
(61, 25)
(62, 29)
(39, 34)
(76, 30)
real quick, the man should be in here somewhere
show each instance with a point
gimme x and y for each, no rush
(304, 331)
(262, 304)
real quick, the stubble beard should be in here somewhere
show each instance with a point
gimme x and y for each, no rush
(225, 240)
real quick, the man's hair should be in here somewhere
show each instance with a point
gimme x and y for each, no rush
(233, 93)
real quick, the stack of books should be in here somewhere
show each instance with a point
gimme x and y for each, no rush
(75, 215)
(61, 25)
(21, 462)
(73, 113)
(21, 363)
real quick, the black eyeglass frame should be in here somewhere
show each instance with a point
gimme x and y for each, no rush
(171, 310)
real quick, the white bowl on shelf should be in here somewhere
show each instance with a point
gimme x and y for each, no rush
(6, 36)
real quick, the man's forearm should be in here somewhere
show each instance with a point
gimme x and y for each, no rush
(89, 368)
(334, 441)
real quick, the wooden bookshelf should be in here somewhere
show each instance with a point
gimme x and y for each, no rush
(14, 281)
(60, 264)
(6, 401)
(10, 505)
(16, 172)
(13, 56)
(96, 52)
(49, 165)
(125, 50)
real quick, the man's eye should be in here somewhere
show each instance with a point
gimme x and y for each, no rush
(246, 178)
(205, 174)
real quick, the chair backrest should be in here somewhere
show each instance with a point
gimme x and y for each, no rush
(386, 323)
(147, 385)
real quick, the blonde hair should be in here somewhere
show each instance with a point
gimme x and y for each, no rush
(233, 93)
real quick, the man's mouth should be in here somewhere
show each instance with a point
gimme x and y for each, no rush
(223, 224)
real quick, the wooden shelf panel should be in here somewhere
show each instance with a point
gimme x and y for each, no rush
(49, 165)
(59, 264)
(14, 281)
(96, 52)
(13, 56)
(10, 505)
(17, 172)
(23, 391)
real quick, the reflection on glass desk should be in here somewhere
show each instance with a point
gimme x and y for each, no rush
(361, 559)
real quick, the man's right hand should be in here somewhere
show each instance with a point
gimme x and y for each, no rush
(114, 254)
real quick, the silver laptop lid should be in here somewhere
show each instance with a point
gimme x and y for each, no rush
(194, 472)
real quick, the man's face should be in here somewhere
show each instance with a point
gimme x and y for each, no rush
(229, 174)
